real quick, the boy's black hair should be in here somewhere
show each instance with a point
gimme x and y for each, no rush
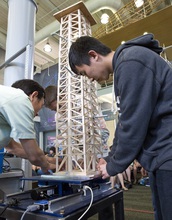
(78, 53)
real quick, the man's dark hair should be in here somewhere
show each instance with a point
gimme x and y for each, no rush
(29, 86)
(78, 53)
(51, 95)
(53, 149)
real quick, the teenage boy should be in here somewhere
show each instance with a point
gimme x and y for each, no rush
(143, 90)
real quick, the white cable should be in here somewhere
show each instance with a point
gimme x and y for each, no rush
(91, 191)
(30, 208)
(27, 210)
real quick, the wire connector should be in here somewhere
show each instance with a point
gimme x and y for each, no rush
(32, 208)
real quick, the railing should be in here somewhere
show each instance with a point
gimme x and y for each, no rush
(127, 15)
(26, 49)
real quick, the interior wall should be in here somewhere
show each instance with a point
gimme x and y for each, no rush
(111, 126)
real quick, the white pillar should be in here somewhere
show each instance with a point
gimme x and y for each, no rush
(20, 32)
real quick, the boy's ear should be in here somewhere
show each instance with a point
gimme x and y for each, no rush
(33, 95)
(93, 54)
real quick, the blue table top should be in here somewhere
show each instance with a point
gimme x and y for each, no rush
(63, 178)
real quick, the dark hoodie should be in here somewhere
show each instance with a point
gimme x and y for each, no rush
(143, 90)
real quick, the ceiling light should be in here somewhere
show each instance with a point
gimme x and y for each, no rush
(104, 18)
(47, 48)
(138, 3)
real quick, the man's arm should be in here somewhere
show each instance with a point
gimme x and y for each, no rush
(16, 148)
(29, 149)
(34, 154)
(51, 159)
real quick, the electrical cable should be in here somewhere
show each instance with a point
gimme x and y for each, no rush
(11, 203)
(91, 201)
(30, 208)
(7, 168)
(4, 210)
(6, 161)
(23, 185)
(22, 217)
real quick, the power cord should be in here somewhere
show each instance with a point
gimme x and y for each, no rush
(11, 203)
(23, 181)
(30, 208)
(91, 201)
(4, 210)
(7, 168)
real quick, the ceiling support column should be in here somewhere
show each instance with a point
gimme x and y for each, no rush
(20, 33)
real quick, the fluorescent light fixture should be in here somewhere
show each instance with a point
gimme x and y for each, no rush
(104, 18)
(138, 3)
(47, 48)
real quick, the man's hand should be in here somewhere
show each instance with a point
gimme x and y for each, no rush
(101, 161)
(51, 167)
(101, 166)
(103, 171)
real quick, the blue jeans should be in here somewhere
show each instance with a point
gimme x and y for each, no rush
(161, 186)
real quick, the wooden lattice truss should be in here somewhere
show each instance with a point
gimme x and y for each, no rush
(78, 130)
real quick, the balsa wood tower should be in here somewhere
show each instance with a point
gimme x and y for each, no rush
(78, 130)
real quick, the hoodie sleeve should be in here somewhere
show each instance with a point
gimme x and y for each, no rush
(138, 89)
(113, 146)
